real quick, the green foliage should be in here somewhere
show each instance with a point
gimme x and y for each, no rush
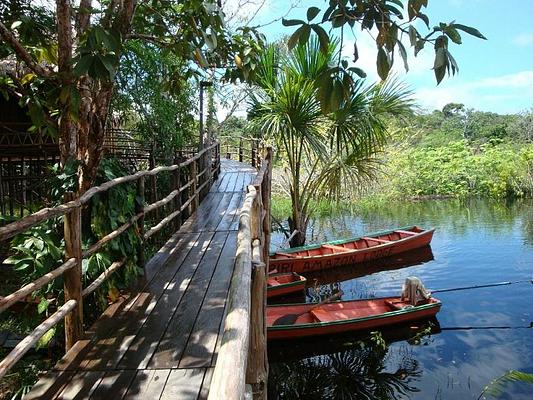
(37, 251)
(153, 99)
(495, 388)
(109, 211)
(326, 153)
(459, 170)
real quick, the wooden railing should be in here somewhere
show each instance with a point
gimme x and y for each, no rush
(190, 178)
(242, 149)
(241, 365)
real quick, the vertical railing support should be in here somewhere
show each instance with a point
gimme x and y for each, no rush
(176, 175)
(240, 150)
(254, 153)
(257, 367)
(72, 278)
(266, 193)
(139, 206)
(194, 177)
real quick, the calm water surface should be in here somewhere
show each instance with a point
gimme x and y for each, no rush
(483, 332)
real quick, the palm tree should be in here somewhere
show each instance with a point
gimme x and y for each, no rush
(328, 136)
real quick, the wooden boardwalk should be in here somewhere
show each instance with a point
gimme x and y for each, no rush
(162, 342)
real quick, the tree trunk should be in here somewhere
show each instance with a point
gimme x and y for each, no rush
(298, 223)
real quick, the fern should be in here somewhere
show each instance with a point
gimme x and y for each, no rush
(495, 388)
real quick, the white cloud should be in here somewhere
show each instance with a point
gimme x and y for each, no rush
(523, 40)
(505, 93)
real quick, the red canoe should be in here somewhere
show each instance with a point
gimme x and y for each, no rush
(284, 283)
(343, 316)
(350, 251)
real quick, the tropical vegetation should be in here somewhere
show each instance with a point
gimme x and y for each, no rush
(324, 152)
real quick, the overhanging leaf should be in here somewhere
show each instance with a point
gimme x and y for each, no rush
(469, 30)
(323, 38)
(312, 12)
(383, 64)
(291, 22)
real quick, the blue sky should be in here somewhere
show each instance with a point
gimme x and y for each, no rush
(495, 75)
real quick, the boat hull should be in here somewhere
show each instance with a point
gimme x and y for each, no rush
(351, 317)
(286, 283)
(338, 253)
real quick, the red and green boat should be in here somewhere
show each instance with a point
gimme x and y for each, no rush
(344, 316)
(281, 284)
(350, 251)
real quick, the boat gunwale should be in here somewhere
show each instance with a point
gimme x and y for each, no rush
(289, 284)
(350, 251)
(320, 324)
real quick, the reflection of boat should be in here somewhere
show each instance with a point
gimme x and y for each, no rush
(350, 251)
(284, 283)
(348, 272)
(301, 348)
(300, 320)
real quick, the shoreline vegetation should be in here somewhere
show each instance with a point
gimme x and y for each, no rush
(455, 153)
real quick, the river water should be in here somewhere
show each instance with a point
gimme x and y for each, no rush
(478, 335)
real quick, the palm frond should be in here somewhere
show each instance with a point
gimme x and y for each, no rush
(495, 388)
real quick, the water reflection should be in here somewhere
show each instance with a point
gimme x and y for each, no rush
(476, 242)
(348, 367)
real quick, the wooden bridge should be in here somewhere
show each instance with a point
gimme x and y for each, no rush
(195, 329)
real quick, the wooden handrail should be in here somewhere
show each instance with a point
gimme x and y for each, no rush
(24, 291)
(233, 353)
(29, 341)
(103, 277)
(12, 229)
(71, 311)
(243, 348)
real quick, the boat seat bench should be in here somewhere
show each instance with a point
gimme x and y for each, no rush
(376, 240)
(286, 254)
(333, 247)
(406, 232)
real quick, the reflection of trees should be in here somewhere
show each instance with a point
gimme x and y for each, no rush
(359, 372)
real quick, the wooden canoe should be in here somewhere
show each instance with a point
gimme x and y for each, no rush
(350, 251)
(284, 283)
(345, 316)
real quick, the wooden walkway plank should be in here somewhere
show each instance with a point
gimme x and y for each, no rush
(138, 353)
(204, 334)
(224, 182)
(231, 213)
(204, 391)
(219, 213)
(170, 348)
(200, 217)
(120, 330)
(148, 384)
(50, 385)
(231, 184)
(82, 385)
(114, 385)
(240, 184)
(183, 384)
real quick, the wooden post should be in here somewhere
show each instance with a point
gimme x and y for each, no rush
(266, 195)
(194, 176)
(139, 205)
(72, 278)
(240, 150)
(254, 154)
(153, 179)
(177, 184)
(257, 367)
